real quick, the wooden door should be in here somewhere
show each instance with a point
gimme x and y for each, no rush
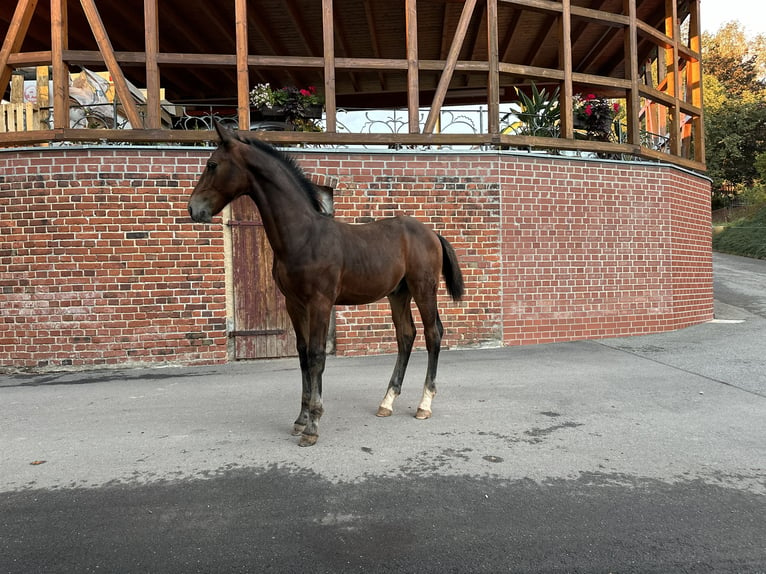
(262, 327)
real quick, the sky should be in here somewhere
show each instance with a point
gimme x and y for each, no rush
(750, 13)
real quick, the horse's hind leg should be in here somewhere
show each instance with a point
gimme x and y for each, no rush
(405, 337)
(434, 331)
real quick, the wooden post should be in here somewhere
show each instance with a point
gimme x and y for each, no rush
(565, 54)
(17, 89)
(107, 52)
(449, 66)
(328, 39)
(695, 79)
(633, 96)
(60, 43)
(243, 75)
(673, 80)
(151, 35)
(14, 38)
(493, 81)
(413, 82)
(43, 94)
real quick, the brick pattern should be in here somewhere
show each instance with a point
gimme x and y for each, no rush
(99, 264)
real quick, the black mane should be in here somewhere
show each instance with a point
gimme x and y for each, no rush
(292, 167)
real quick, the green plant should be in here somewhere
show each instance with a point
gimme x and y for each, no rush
(595, 115)
(293, 102)
(538, 114)
(745, 236)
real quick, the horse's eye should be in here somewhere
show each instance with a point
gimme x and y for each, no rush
(211, 165)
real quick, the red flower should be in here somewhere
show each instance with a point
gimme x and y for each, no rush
(305, 93)
(590, 97)
(588, 110)
(616, 107)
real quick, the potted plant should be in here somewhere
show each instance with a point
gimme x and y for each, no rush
(296, 106)
(595, 115)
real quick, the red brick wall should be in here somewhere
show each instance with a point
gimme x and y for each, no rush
(100, 265)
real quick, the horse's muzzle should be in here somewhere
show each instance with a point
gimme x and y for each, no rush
(200, 215)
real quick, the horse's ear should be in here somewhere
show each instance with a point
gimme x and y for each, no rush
(224, 133)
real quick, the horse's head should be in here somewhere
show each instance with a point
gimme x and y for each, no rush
(223, 180)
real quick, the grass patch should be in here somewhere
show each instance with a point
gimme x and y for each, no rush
(746, 236)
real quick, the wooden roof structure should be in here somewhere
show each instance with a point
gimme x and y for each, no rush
(372, 53)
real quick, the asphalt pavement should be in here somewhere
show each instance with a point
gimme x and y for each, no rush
(641, 454)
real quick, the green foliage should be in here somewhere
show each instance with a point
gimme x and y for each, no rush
(735, 105)
(596, 116)
(538, 114)
(744, 237)
(734, 137)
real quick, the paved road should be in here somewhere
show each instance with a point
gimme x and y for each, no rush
(642, 454)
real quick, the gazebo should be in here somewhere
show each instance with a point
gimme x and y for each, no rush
(565, 234)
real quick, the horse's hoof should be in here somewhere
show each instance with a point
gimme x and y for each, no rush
(308, 440)
(297, 429)
(423, 414)
(384, 412)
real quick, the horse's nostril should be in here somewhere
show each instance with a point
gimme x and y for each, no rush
(191, 213)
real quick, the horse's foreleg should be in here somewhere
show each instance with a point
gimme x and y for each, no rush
(316, 355)
(300, 325)
(405, 337)
(303, 417)
(433, 333)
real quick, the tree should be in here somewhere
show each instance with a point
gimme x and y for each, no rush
(734, 105)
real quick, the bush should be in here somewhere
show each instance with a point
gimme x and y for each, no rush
(746, 236)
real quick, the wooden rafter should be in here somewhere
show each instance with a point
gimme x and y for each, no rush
(545, 30)
(22, 16)
(369, 14)
(341, 36)
(504, 47)
(449, 65)
(105, 47)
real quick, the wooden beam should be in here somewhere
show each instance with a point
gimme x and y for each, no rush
(510, 31)
(566, 94)
(243, 75)
(673, 76)
(152, 42)
(328, 35)
(25, 59)
(413, 82)
(534, 47)
(493, 80)
(105, 47)
(449, 66)
(59, 44)
(43, 94)
(694, 80)
(633, 96)
(14, 38)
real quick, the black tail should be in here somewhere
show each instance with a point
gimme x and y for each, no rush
(451, 270)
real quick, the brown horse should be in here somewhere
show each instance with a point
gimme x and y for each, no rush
(320, 262)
